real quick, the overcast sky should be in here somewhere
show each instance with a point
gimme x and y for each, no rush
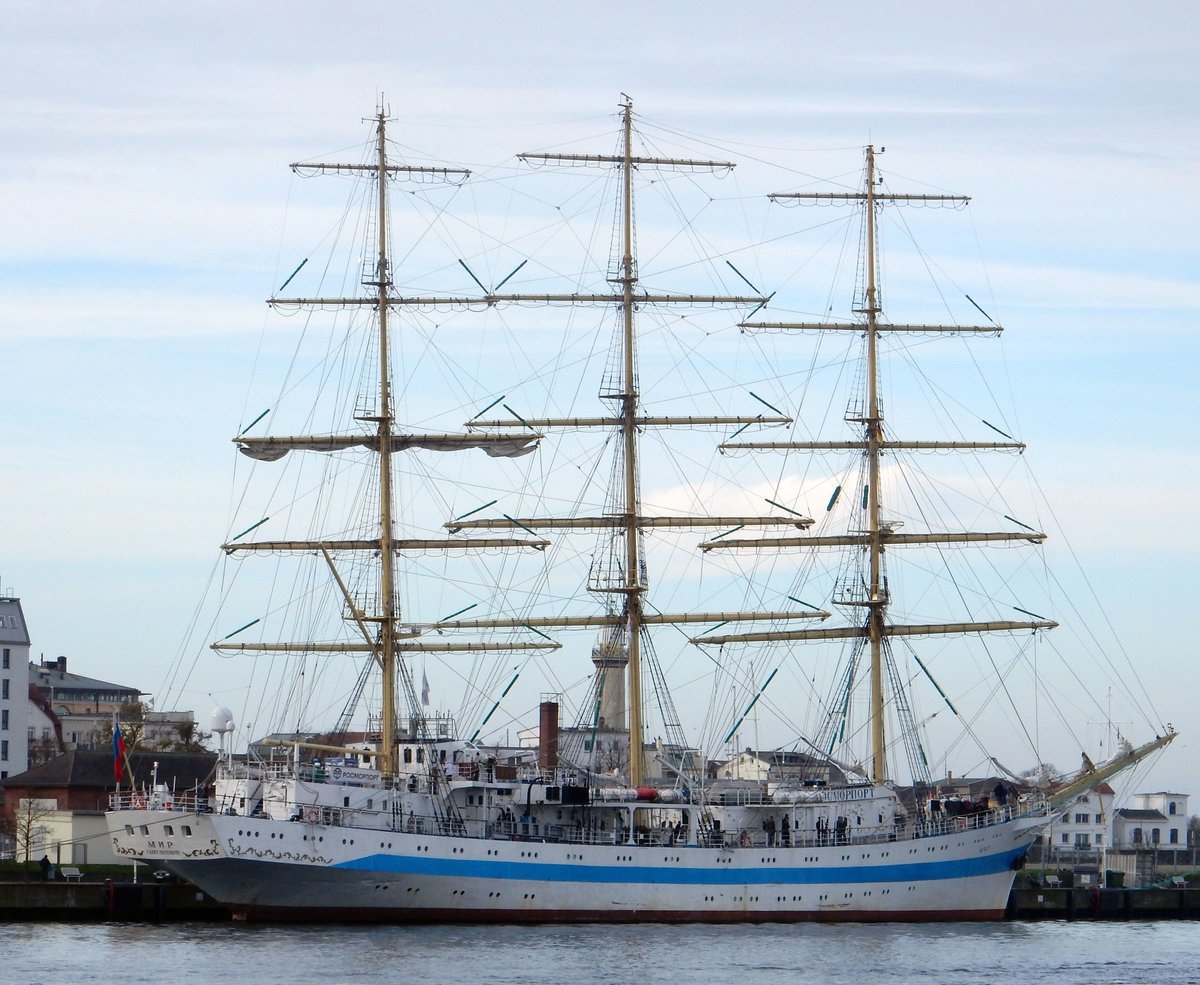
(143, 153)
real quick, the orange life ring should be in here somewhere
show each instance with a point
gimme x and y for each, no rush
(139, 803)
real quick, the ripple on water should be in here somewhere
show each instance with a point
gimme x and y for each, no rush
(931, 954)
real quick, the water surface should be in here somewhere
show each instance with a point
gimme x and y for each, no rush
(1162, 953)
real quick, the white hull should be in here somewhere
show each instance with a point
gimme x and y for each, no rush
(269, 869)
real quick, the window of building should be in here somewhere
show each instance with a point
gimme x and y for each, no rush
(1173, 836)
(4, 720)
(1137, 836)
(1099, 818)
(1099, 839)
(1082, 840)
(4, 750)
(1171, 807)
(6, 658)
(1081, 818)
(1155, 836)
(4, 689)
(1066, 838)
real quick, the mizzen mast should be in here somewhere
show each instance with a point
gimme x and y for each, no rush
(382, 633)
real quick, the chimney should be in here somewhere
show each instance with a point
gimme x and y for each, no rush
(62, 665)
(548, 735)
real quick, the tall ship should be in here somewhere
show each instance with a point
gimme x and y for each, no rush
(615, 815)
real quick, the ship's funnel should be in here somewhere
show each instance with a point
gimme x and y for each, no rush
(548, 735)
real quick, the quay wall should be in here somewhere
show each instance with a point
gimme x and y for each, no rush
(163, 902)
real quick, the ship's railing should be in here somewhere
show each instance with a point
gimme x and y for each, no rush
(509, 826)
(855, 834)
(756, 797)
(237, 770)
(512, 825)
(160, 800)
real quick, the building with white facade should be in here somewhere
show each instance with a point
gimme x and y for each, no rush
(14, 689)
(71, 711)
(776, 767)
(1153, 820)
(1086, 829)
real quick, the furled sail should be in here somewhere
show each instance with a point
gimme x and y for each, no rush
(495, 445)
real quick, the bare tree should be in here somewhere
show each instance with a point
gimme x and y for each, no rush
(43, 750)
(146, 732)
(133, 724)
(191, 738)
(27, 826)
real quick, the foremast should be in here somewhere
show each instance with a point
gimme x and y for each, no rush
(875, 629)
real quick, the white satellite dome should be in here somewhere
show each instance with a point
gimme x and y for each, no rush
(220, 719)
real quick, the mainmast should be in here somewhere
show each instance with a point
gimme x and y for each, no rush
(386, 654)
(875, 631)
(634, 585)
(630, 519)
(873, 423)
(629, 400)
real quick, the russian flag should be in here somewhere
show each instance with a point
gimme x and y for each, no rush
(118, 752)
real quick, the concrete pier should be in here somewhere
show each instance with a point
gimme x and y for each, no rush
(168, 901)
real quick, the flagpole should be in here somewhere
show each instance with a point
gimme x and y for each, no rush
(118, 745)
(128, 769)
(121, 756)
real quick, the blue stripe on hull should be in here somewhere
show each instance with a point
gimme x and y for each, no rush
(766, 874)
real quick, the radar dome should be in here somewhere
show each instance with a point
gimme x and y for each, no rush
(220, 719)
